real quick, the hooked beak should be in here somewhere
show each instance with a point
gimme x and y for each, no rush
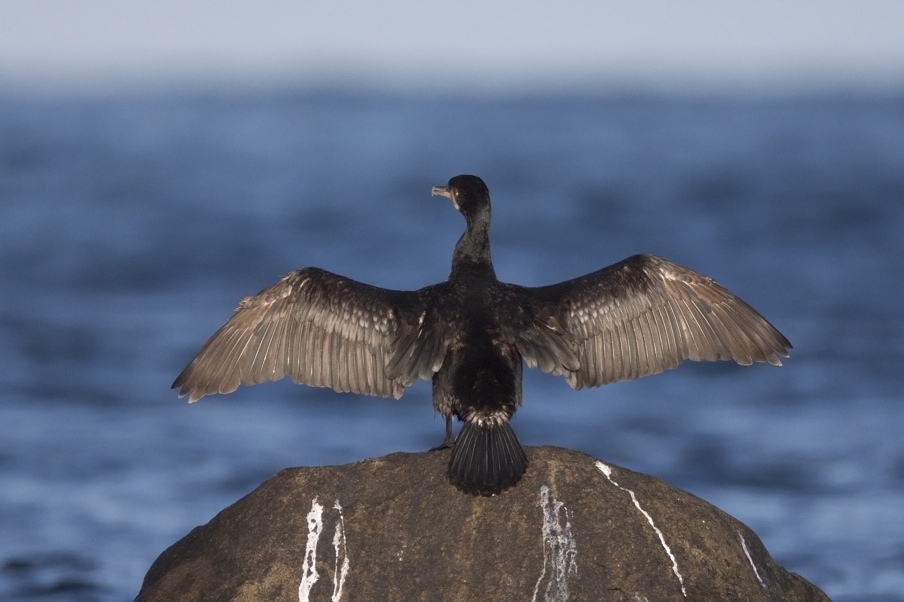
(444, 191)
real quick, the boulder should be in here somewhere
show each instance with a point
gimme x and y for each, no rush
(393, 528)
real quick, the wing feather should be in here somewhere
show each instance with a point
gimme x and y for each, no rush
(322, 330)
(645, 315)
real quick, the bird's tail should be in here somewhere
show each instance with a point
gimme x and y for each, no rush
(487, 457)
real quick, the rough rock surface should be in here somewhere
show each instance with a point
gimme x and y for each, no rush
(393, 528)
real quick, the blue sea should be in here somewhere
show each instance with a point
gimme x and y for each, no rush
(131, 225)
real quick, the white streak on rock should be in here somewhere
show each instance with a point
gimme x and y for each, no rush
(750, 560)
(606, 470)
(559, 550)
(340, 546)
(309, 574)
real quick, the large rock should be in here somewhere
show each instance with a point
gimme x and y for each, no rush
(393, 528)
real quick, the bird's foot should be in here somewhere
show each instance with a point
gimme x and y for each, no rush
(449, 440)
(447, 443)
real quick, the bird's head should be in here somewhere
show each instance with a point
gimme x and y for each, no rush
(468, 193)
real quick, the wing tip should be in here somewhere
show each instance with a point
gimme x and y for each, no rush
(193, 394)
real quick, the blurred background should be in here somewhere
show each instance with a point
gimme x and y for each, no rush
(159, 161)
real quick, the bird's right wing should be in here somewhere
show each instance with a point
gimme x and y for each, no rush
(644, 315)
(322, 330)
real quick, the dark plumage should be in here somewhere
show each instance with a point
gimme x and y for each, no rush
(471, 333)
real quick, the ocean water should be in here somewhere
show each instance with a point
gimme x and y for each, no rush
(131, 226)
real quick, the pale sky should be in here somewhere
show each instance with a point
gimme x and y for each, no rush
(496, 44)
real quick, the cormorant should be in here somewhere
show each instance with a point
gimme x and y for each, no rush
(471, 334)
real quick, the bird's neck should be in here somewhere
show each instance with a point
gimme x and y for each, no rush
(472, 252)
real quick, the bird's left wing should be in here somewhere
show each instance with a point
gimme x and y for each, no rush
(320, 329)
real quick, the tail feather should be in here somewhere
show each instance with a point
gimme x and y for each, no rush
(487, 458)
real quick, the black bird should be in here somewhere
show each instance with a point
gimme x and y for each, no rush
(471, 333)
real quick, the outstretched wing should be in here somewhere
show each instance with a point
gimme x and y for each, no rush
(642, 316)
(322, 330)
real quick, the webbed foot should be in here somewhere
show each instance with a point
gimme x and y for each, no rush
(449, 440)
